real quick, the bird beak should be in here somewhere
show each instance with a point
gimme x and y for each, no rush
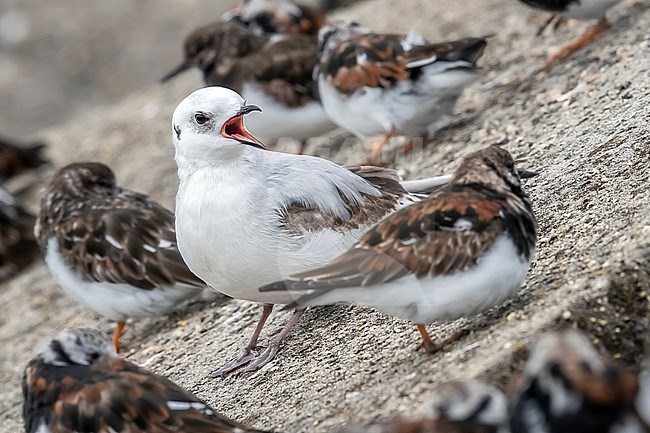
(234, 128)
(183, 66)
(525, 174)
(248, 109)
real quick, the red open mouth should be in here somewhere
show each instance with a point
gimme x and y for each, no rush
(234, 129)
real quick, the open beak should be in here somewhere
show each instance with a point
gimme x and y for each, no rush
(182, 67)
(235, 130)
(525, 174)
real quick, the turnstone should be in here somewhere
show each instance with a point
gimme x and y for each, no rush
(77, 383)
(388, 84)
(275, 71)
(462, 250)
(17, 157)
(18, 246)
(457, 407)
(111, 249)
(568, 387)
(578, 9)
(246, 216)
(278, 16)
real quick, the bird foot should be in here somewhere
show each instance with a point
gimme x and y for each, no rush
(262, 359)
(433, 347)
(429, 346)
(248, 361)
(248, 355)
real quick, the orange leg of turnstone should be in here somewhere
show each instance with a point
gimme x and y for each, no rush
(118, 334)
(565, 52)
(429, 345)
(377, 147)
(413, 144)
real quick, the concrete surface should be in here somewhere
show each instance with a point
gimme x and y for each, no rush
(584, 127)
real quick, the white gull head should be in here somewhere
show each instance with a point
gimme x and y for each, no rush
(208, 125)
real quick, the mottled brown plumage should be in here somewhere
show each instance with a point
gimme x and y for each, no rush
(388, 84)
(387, 251)
(299, 219)
(77, 384)
(567, 386)
(424, 239)
(457, 407)
(18, 247)
(230, 55)
(88, 215)
(383, 60)
(472, 238)
(278, 17)
(98, 238)
(283, 69)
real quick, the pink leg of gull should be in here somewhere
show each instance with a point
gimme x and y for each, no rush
(247, 354)
(272, 350)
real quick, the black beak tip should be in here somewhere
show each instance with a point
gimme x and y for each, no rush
(525, 174)
(249, 108)
(177, 70)
(257, 145)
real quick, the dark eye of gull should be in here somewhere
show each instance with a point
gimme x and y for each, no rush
(201, 118)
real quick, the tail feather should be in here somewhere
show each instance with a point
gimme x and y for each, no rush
(33, 155)
(18, 247)
(466, 50)
(16, 158)
(426, 186)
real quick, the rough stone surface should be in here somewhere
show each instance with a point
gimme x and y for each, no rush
(584, 127)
